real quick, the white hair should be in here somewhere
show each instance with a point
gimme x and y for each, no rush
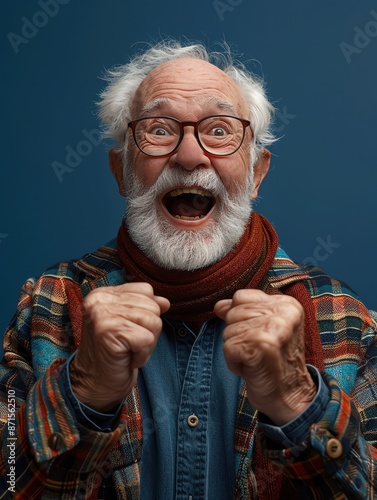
(123, 82)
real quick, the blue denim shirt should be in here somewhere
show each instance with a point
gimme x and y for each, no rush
(189, 401)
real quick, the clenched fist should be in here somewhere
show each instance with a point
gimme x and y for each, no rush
(121, 325)
(264, 344)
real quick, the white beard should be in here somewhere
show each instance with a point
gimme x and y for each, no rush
(187, 250)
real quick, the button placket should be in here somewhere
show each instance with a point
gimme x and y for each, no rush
(184, 342)
(192, 437)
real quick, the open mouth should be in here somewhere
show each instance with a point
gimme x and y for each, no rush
(189, 203)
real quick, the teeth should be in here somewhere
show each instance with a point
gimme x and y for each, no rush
(184, 217)
(201, 192)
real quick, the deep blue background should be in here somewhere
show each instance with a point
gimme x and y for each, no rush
(323, 179)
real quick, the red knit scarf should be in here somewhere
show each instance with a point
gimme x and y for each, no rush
(193, 294)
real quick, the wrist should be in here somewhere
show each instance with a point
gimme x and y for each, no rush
(89, 393)
(287, 406)
(297, 431)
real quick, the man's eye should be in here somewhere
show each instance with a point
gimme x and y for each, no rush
(219, 132)
(158, 131)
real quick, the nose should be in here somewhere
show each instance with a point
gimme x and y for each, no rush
(189, 154)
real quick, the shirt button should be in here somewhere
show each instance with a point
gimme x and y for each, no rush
(192, 420)
(56, 441)
(334, 448)
(182, 332)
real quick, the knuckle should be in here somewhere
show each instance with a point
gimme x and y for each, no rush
(234, 333)
(232, 348)
(278, 326)
(241, 328)
(139, 287)
(228, 351)
(231, 316)
(98, 296)
(248, 295)
(289, 301)
(147, 319)
(147, 340)
(292, 310)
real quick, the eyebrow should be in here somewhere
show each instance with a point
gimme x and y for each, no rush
(223, 105)
(156, 104)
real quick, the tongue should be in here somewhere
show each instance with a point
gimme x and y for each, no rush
(189, 205)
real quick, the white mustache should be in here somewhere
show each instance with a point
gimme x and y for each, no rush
(171, 178)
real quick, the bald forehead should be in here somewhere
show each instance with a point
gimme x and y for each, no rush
(188, 66)
(188, 79)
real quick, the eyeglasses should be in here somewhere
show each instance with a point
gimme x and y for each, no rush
(218, 135)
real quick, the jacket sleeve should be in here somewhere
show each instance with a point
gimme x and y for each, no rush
(340, 454)
(44, 449)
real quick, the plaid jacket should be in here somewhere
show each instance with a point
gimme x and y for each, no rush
(49, 455)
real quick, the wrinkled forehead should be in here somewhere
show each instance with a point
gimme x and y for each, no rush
(189, 81)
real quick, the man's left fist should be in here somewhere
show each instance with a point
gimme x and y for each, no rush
(264, 344)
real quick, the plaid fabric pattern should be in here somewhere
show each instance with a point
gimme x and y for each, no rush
(57, 458)
(348, 335)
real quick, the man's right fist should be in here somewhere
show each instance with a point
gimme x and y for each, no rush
(121, 325)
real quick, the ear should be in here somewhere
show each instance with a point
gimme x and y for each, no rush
(260, 171)
(116, 166)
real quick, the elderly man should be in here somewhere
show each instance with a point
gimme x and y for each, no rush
(190, 358)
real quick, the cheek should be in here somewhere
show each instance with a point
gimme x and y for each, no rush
(146, 169)
(234, 170)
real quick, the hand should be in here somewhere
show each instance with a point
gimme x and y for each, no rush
(121, 325)
(264, 344)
